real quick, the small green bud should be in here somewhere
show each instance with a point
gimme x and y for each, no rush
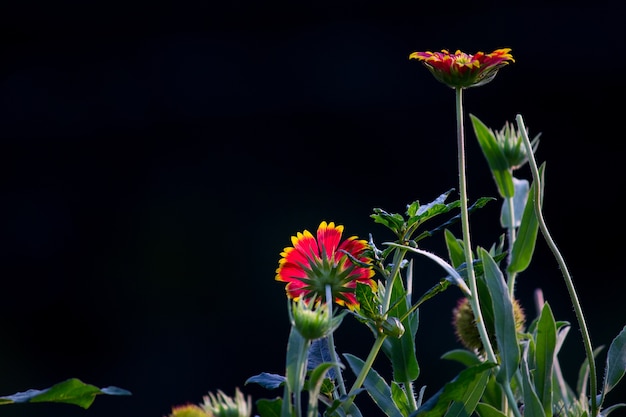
(313, 320)
(393, 327)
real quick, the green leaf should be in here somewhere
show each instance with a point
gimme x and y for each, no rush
(545, 345)
(72, 391)
(609, 410)
(519, 202)
(401, 351)
(266, 380)
(376, 387)
(316, 380)
(488, 410)
(297, 347)
(504, 321)
(463, 356)
(524, 245)
(615, 361)
(369, 305)
(269, 408)
(496, 159)
(465, 389)
(532, 405)
(400, 399)
(455, 249)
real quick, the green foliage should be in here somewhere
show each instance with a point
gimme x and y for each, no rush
(72, 391)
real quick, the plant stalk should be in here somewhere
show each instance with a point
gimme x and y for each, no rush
(471, 277)
(569, 283)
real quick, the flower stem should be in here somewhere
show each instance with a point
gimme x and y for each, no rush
(471, 277)
(331, 343)
(378, 343)
(562, 265)
(512, 237)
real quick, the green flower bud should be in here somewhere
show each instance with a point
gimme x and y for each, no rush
(393, 327)
(313, 320)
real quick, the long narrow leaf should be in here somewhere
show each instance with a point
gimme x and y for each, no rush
(504, 320)
(544, 357)
(376, 387)
(524, 245)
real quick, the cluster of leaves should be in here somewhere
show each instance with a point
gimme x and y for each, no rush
(525, 381)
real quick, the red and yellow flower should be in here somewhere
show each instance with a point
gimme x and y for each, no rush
(461, 70)
(313, 263)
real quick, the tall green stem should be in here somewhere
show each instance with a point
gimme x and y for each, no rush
(511, 229)
(331, 342)
(471, 277)
(569, 283)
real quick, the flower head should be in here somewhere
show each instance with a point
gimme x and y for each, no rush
(221, 405)
(312, 263)
(461, 70)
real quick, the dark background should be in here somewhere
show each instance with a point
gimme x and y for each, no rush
(157, 157)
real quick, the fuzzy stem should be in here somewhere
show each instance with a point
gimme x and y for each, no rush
(331, 343)
(569, 283)
(471, 277)
(378, 343)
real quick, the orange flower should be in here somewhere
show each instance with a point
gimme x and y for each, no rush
(312, 263)
(461, 70)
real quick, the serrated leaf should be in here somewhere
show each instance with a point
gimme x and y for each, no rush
(72, 391)
(375, 386)
(368, 302)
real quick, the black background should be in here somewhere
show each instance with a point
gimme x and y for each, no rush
(157, 157)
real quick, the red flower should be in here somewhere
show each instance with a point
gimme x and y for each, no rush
(312, 263)
(461, 70)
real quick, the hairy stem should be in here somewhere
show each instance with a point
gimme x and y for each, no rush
(471, 277)
(569, 283)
